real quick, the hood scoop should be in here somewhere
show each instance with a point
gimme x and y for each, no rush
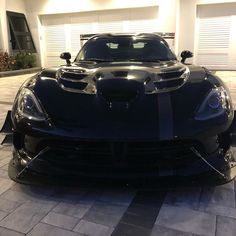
(121, 74)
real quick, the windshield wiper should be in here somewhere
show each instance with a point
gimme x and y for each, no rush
(95, 60)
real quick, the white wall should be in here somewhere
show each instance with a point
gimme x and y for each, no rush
(187, 14)
(213, 1)
(3, 38)
(166, 13)
(70, 6)
(16, 6)
(1, 35)
(8, 5)
(169, 19)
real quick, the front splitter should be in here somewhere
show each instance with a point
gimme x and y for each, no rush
(36, 178)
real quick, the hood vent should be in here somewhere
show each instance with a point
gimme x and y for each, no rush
(171, 75)
(74, 80)
(72, 75)
(168, 81)
(72, 85)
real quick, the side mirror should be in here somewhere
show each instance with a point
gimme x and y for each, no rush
(66, 56)
(185, 54)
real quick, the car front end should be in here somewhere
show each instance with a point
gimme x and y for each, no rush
(124, 120)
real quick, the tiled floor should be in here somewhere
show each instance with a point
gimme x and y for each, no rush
(73, 211)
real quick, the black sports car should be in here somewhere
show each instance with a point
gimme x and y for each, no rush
(125, 108)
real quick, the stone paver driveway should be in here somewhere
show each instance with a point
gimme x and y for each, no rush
(62, 211)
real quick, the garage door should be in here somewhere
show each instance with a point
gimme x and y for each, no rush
(216, 36)
(62, 32)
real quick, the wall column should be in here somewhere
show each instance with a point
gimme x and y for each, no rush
(3, 27)
(187, 18)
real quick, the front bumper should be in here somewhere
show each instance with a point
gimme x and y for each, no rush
(52, 155)
(125, 161)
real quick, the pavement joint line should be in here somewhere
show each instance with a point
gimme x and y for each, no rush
(6, 103)
(59, 227)
(13, 230)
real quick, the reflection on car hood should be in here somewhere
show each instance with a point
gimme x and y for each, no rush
(155, 77)
(90, 94)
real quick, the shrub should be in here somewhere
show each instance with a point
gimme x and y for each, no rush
(24, 60)
(21, 60)
(6, 61)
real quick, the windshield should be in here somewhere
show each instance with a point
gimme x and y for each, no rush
(125, 49)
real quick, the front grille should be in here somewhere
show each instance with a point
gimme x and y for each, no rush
(131, 155)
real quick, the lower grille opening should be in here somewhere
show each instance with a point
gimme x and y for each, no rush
(122, 156)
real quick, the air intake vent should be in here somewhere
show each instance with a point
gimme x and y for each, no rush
(73, 85)
(72, 75)
(72, 79)
(171, 75)
(172, 80)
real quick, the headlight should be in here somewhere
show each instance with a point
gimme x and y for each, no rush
(28, 106)
(215, 104)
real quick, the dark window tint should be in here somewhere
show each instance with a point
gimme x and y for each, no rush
(126, 49)
(21, 38)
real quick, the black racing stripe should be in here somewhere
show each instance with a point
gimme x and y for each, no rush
(165, 116)
(6, 103)
(141, 214)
